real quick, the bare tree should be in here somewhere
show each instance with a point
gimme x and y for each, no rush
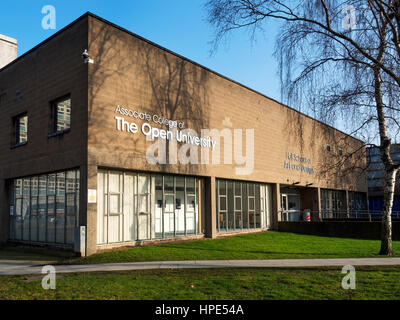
(338, 58)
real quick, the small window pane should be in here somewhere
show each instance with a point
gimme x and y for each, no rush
(238, 188)
(190, 185)
(21, 126)
(169, 184)
(63, 115)
(238, 203)
(222, 203)
(222, 187)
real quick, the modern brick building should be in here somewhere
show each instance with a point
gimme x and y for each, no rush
(78, 116)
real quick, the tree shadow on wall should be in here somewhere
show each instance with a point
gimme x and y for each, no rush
(336, 157)
(126, 66)
(178, 92)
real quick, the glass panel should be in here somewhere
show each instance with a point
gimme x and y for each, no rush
(180, 206)
(144, 184)
(70, 218)
(70, 187)
(222, 221)
(238, 188)
(158, 206)
(190, 185)
(18, 187)
(251, 219)
(222, 203)
(42, 210)
(70, 210)
(231, 213)
(51, 217)
(63, 109)
(238, 203)
(169, 216)
(115, 204)
(144, 205)
(169, 184)
(191, 214)
(257, 207)
(18, 209)
(60, 210)
(115, 183)
(34, 209)
(34, 219)
(251, 189)
(222, 187)
(245, 205)
(12, 211)
(26, 207)
(251, 204)
(22, 123)
(238, 220)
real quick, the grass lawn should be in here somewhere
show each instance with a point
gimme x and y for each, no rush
(254, 284)
(267, 245)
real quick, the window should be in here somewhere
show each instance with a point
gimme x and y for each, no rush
(61, 115)
(20, 130)
(141, 206)
(328, 147)
(242, 205)
(43, 210)
(340, 151)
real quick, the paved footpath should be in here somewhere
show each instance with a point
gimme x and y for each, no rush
(10, 268)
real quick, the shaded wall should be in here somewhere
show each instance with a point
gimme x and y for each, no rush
(139, 75)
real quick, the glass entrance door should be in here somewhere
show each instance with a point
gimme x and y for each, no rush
(284, 207)
(290, 207)
(294, 207)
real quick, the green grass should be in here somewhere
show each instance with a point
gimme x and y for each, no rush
(226, 284)
(267, 245)
(33, 254)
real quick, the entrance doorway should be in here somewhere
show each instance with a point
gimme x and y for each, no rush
(290, 206)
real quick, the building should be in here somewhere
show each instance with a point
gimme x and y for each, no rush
(8, 50)
(375, 176)
(105, 130)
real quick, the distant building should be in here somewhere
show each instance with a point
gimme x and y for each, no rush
(375, 174)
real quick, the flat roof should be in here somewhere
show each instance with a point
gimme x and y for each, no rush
(171, 52)
(8, 39)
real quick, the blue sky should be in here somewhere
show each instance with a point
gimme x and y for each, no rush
(179, 25)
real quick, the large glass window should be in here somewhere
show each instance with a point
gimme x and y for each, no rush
(357, 204)
(242, 205)
(154, 206)
(333, 203)
(45, 208)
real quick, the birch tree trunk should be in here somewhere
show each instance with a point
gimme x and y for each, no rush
(386, 231)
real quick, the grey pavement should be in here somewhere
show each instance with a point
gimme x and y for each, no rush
(29, 267)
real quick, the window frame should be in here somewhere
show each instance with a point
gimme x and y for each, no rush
(16, 134)
(54, 116)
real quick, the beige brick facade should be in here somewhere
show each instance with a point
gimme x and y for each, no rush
(133, 73)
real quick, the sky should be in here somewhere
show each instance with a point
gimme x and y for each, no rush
(178, 25)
